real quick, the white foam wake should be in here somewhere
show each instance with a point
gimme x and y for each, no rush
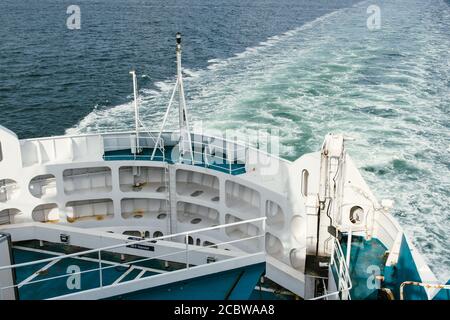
(388, 89)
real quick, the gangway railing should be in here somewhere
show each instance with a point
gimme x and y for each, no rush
(257, 242)
(339, 267)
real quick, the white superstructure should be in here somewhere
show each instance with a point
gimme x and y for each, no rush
(101, 188)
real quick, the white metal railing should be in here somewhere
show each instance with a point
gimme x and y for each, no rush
(146, 140)
(212, 155)
(106, 132)
(189, 248)
(209, 155)
(344, 282)
(96, 144)
(158, 141)
(421, 284)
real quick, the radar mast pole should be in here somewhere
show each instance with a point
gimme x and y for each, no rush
(136, 110)
(185, 142)
(185, 136)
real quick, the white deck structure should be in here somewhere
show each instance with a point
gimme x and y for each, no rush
(66, 182)
(225, 202)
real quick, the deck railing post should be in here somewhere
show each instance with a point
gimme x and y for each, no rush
(100, 268)
(187, 250)
(349, 247)
(230, 157)
(263, 235)
(333, 251)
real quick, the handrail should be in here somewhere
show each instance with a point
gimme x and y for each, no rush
(226, 156)
(126, 147)
(206, 165)
(217, 146)
(111, 264)
(24, 264)
(160, 158)
(421, 284)
(124, 131)
(236, 147)
(115, 264)
(346, 273)
(223, 150)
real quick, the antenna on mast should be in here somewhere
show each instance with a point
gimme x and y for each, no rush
(136, 110)
(185, 143)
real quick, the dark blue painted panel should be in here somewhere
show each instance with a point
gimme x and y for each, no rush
(247, 283)
(216, 286)
(404, 270)
(171, 157)
(366, 256)
(443, 294)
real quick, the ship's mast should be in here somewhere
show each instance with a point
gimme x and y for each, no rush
(185, 143)
(185, 136)
(182, 103)
(136, 110)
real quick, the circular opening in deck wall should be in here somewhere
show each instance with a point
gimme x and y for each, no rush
(356, 214)
(157, 234)
(7, 215)
(274, 246)
(162, 216)
(42, 186)
(8, 189)
(296, 258)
